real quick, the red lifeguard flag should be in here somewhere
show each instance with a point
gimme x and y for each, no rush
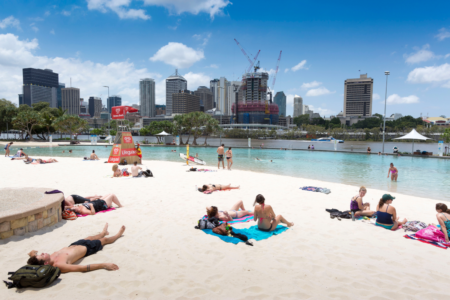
(119, 112)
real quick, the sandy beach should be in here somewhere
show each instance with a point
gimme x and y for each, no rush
(162, 256)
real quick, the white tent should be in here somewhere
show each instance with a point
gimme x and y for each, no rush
(168, 137)
(413, 135)
(163, 133)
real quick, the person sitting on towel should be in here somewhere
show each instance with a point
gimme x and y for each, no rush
(119, 172)
(94, 156)
(66, 258)
(217, 187)
(443, 217)
(228, 215)
(267, 219)
(135, 170)
(358, 207)
(387, 215)
(91, 207)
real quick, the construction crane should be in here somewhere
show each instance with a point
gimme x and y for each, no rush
(273, 83)
(249, 59)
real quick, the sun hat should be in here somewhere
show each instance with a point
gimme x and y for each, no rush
(387, 197)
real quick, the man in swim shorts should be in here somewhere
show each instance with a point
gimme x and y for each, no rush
(94, 156)
(66, 258)
(220, 153)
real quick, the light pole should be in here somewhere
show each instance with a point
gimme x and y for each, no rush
(387, 73)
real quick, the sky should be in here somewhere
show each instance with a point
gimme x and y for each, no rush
(116, 43)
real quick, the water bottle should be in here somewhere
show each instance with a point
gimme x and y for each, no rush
(353, 216)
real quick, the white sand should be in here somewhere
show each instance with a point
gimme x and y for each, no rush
(162, 256)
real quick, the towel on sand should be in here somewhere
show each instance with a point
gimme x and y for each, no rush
(316, 189)
(103, 211)
(241, 220)
(253, 233)
(441, 245)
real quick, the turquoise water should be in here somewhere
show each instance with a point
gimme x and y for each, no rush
(417, 176)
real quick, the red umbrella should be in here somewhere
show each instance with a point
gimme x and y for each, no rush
(119, 112)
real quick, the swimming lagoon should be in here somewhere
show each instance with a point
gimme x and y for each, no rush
(423, 177)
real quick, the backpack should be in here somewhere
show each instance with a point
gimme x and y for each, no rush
(69, 215)
(148, 173)
(33, 276)
(207, 224)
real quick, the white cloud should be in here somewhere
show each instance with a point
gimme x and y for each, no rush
(33, 27)
(47, 13)
(120, 7)
(204, 37)
(375, 96)
(318, 92)
(434, 74)
(214, 66)
(66, 13)
(310, 85)
(300, 65)
(396, 99)
(286, 70)
(178, 55)
(443, 34)
(447, 55)
(196, 79)
(52, 31)
(176, 25)
(212, 7)
(15, 54)
(322, 111)
(9, 22)
(420, 56)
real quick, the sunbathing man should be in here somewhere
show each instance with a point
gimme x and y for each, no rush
(91, 204)
(228, 215)
(217, 187)
(65, 258)
(94, 156)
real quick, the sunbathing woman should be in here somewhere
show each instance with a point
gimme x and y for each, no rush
(394, 172)
(387, 215)
(443, 217)
(217, 187)
(93, 207)
(228, 215)
(46, 161)
(267, 219)
(358, 207)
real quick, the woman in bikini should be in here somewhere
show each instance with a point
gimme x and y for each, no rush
(443, 217)
(217, 187)
(394, 172)
(44, 161)
(267, 219)
(229, 155)
(387, 215)
(237, 211)
(358, 207)
(94, 206)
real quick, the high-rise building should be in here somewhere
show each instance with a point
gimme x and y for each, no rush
(174, 84)
(95, 107)
(298, 106)
(185, 102)
(114, 101)
(280, 100)
(358, 96)
(58, 94)
(20, 99)
(40, 86)
(213, 84)
(160, 109)
(254, 87)
(231, 95)
(147, 97)
(206, 97)
(71, 100)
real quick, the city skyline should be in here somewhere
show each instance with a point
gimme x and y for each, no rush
(336, 44)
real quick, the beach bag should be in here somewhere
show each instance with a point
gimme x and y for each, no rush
(205, 224)
(431, 233)
(33, 276)
(147, 173)
(69, 215)
(221, 229)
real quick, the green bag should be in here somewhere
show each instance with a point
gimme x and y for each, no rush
(33, 276)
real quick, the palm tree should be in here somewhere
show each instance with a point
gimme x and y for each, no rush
(211, 127)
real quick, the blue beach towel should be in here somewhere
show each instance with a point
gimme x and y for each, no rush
(253, 233)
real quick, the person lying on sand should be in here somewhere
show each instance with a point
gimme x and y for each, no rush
(228, 215)
(443, 216)
(217, 187)
(66, 258)
(267, 219)
(358, 207)
(91, 206)
(94, 156)
(26, 159)
(387, 215)
(46, 161)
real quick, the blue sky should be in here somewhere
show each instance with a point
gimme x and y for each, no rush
(117, 42)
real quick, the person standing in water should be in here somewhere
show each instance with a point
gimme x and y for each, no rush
(220, 152)
(7, 151)
(394, 172)
(229, 155)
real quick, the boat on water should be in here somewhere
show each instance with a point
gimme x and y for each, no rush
(327, 139)
(193, 159)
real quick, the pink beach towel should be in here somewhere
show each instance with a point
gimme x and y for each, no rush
(431, 233)
(103, 211)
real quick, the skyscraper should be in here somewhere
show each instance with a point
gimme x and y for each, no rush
(147, 97)
(206, 97)
(358, 96)
(174, 84)
(58, 94)
(40, 86)
(71, 100)
(280, 100)
(95, 107)
(254, 86)
(213, 84)
(185, 102)
(298, 106)
(20, 99)
(222, 95)
(112, 101)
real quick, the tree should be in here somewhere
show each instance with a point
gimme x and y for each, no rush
(98, 131)
(211, 127)
(7, 112)
(156, 127)
(446, 135)
(70, 124)
(26, 120)
(196, 120)
(177, 127)
(301, 120)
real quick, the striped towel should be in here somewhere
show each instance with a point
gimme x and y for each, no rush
(241, 220)
(441, 245)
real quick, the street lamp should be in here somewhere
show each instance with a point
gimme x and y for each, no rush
(387, 73)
